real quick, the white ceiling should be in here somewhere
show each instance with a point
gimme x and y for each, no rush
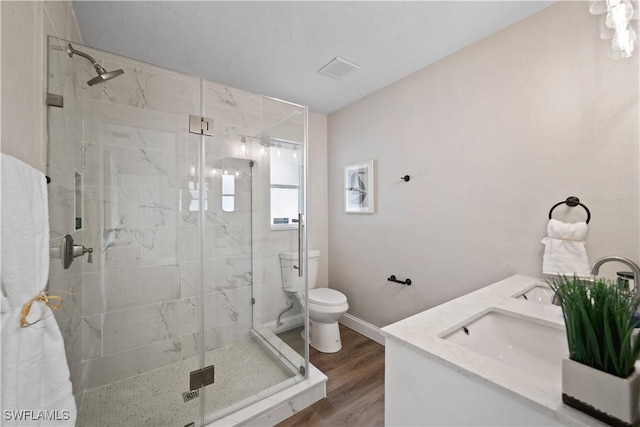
(276, 48)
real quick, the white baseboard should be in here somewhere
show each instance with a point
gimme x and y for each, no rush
(365, 328)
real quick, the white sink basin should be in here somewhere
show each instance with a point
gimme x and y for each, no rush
(527, 345)
(540, 293)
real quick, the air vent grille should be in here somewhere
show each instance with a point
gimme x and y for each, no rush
(338, 68)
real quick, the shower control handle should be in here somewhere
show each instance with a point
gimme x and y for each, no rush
(68, 251)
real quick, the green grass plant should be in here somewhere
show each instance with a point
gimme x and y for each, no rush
(599, 319)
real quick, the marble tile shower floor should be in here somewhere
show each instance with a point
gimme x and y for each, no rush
(155, 398)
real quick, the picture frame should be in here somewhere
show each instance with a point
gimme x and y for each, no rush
(359, 188)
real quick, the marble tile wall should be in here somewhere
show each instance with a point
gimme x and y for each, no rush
(140, 160)
(136, 307)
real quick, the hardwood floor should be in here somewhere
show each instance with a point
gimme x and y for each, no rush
(355, 389)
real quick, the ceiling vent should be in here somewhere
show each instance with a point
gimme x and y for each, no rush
(338, 68)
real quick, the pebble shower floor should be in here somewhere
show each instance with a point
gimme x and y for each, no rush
(155, 398)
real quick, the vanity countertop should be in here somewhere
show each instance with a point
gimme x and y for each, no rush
(423, 332)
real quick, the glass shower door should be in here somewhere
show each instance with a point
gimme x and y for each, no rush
(238, 253)
(280, 314)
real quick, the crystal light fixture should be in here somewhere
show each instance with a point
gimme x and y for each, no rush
(616, 24)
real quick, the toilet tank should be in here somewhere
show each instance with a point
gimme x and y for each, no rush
(290, 280)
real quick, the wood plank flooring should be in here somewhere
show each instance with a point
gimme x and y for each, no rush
(355, 389)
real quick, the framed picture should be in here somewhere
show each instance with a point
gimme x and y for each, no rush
(358, 188)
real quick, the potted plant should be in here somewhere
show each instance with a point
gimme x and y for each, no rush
(599, 377)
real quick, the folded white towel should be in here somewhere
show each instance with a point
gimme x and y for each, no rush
(565, 252)
(36, 390)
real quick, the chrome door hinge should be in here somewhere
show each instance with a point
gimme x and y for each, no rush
(54, 100)
(253, 300)
(200, 125)
(201, 377)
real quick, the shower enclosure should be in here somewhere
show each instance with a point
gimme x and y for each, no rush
(169, 180)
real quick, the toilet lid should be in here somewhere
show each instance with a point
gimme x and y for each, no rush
(326, 296)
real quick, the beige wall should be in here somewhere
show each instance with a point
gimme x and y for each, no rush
(492, 137)
(317, 189)
(25, 27)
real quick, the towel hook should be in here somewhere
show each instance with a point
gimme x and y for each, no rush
(405, 178)
(571, 201)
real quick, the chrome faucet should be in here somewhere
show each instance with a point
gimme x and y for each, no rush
(595, 268)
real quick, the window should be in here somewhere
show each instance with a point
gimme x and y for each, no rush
(285, 179)
(194, 190)
(228, 192)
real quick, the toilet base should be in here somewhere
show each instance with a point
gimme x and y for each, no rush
(325, 337)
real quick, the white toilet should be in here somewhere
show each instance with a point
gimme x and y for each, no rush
(326, 306)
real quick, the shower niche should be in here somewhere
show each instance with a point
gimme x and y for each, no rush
(185, 271)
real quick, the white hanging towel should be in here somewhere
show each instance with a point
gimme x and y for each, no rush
(36, 390)
(565, 252)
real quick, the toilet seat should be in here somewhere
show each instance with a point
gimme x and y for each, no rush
(327, 297)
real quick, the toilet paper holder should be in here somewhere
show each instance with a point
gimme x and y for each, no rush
(392, 278)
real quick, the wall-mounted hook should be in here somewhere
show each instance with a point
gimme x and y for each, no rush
(405, 178)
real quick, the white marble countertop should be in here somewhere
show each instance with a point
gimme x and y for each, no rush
(423, 331)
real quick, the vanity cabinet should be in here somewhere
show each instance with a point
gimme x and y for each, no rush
(419, 391)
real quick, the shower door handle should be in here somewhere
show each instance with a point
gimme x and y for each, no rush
(300, 245)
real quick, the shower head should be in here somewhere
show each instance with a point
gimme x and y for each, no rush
(103, 75)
